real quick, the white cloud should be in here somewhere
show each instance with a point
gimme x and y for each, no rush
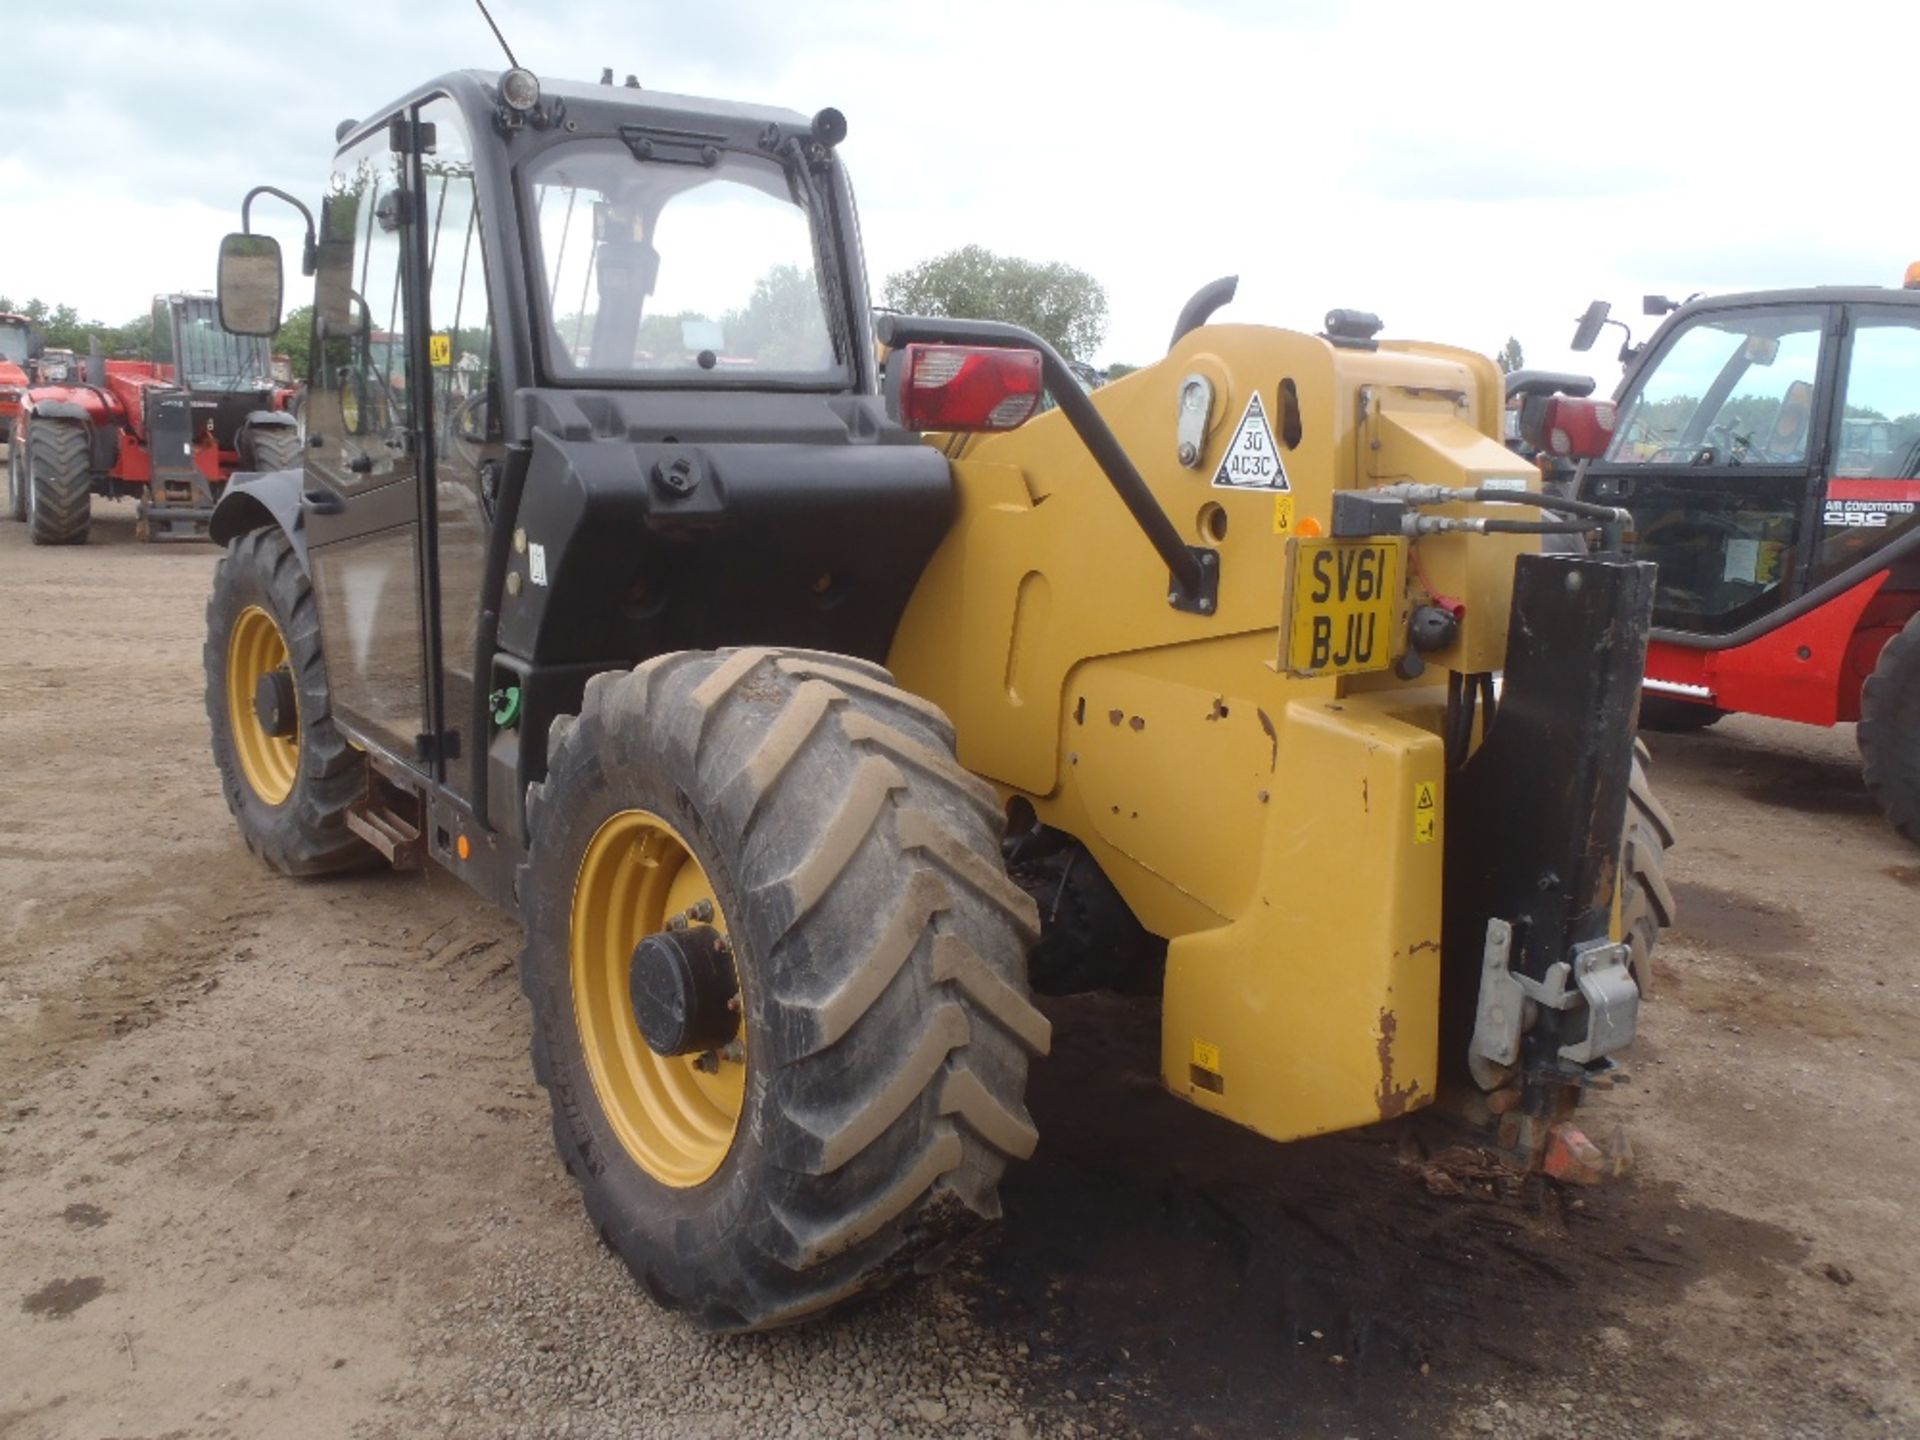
(1467, 172)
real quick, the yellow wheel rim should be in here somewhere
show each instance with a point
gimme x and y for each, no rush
(270, 762)
(675, 1115)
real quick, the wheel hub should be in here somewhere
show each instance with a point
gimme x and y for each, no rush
(655, 987)
(683, 991)
(273, 703)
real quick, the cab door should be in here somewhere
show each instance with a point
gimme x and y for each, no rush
(467, 447)
(1872, 492)
(362, 498)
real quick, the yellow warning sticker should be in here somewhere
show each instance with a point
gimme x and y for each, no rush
(1206, 1056)
(1283, 514)
(440, 349)
(1426, 812)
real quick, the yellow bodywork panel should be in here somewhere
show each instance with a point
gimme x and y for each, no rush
(1319, 1003)
(1283, 832)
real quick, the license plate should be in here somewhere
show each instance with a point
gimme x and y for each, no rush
(1342, 603)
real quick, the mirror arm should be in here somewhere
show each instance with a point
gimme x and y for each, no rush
(310, 252)
(1627, 348)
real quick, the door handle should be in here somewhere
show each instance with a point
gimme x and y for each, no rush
(323, 502)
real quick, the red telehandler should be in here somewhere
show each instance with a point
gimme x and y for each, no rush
(1768, 447)
(167, 432)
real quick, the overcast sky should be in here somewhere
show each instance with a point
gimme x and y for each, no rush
(1466, 172)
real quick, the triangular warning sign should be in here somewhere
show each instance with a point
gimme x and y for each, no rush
(1423, 796)
(1252, 461)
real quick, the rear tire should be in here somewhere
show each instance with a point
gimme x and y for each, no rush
(276, 448)
(301, 830)
(879, 950)
(59, 488)
(1676, 717)
(1889, 731)
(1646, 899)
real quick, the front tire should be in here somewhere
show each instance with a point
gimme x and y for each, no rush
(289, 792)
(1889, 731)
(59, 488)
(877, 945)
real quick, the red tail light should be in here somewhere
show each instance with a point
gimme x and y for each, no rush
(1577, 429)
(968, 387)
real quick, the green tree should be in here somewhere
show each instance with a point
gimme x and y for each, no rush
(780, 324)
(1062, 305)
(1511, 357)
(1118, 369)
(294, 338)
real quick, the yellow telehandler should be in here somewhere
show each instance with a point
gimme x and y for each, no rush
(618, 580)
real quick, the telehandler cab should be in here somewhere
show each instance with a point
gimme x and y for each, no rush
(1768, 447)
(611, 584)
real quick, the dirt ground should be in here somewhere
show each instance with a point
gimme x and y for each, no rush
(272, 1162)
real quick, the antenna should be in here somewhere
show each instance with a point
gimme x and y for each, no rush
(496, 34)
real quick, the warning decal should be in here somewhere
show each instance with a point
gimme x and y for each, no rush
(1252, 461)
(440, 350)
(1425, 812)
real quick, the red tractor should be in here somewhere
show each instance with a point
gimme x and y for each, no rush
(167, 432)
(1768, 446)
(19, 345)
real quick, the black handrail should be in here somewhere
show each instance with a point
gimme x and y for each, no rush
(1102, 444)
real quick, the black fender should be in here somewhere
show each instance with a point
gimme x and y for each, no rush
(259, 418)
(260, 500)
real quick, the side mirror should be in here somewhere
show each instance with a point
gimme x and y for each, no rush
(249, 284)
(1588, 330)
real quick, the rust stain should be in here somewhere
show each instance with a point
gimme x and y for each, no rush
(1219, 710)
(1366, 803)
(1391, 1099)
(1433, 945)
(1116, 716)
(1273, 741)
(1138, 722)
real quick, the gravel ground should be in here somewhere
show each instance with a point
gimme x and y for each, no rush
(272, 1162)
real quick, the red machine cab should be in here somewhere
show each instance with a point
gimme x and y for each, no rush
(1768, 447)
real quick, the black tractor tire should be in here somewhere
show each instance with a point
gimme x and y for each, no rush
(276, 447)
(1889, 731)
(880, 952)
(59, 483)
(17, 476)
(1646, 899)
(1666, 714)
(306, 832)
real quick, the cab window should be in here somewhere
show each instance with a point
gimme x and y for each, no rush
(1732, 389)
(1873, 492)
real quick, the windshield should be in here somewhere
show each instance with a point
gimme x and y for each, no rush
(208, 358)
(678, 273)
(1734, 389)
(13, 341)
